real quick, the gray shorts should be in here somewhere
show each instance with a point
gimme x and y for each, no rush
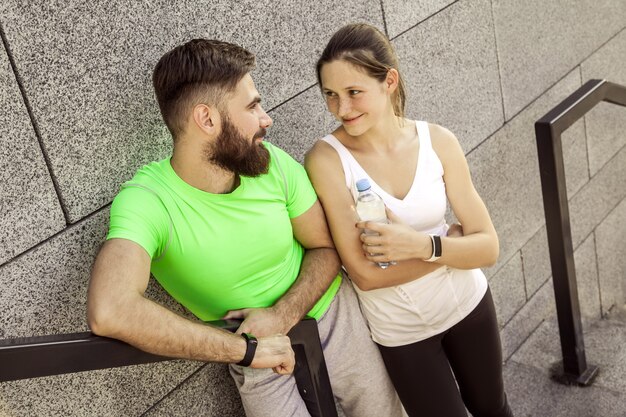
(357, 374)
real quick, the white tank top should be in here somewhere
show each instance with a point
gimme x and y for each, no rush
(429, 305)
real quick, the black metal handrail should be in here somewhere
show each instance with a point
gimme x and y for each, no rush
(548, 130)
(32, 357)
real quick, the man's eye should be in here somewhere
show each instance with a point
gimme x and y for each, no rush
(354, 92)
(329, 94)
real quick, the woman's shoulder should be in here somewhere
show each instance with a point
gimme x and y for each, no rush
(320, 152)
(440, 133)
(444, 143)
(441, 137)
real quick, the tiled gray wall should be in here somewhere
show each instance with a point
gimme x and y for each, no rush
(30, 210)
(78, 118)
(540, 41)
(449, 63)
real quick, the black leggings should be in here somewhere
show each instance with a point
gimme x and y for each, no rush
(425, 383)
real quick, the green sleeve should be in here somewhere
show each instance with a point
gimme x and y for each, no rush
(300, 193)
(137, 214)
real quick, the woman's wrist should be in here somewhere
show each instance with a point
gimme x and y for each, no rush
(425, 247)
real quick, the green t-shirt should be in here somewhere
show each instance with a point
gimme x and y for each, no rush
(219, 252)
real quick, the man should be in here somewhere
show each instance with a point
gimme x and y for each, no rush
(231, 227)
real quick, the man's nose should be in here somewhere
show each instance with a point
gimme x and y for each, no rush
(266, 121)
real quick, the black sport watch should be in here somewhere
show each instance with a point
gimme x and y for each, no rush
(251, 344)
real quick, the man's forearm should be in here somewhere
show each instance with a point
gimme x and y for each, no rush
(319, 267)
(155, 329)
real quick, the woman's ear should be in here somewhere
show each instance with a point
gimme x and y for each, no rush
(392, 80)
(206, 118)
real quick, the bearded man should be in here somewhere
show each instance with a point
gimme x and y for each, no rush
(230, 226)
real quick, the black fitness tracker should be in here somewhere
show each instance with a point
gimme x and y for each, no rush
(436, 242)
(251, 344)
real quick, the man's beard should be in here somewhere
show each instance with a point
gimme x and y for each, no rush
(233, 152)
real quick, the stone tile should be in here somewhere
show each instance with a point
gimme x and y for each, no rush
(523, 324)
(28, 203)
(532, 394)
(401, 15)
(574, 143)
(212, 390)
(536, 260)
(537, 270)
(94, 103)
(605, 347)
(605, 344)
(611, 248)
(607, 122)
(587, 281)
(124, 391)
(45, 291)
(543, 347)
(507, 288)
(598, 197)
(450, 70)
(506, 173)
(539, 42)
(296, 131)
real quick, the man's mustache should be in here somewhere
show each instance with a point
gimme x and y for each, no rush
(261, 133)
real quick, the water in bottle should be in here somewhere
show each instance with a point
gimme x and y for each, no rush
(370, 207)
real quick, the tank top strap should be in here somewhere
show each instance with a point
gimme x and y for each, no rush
(424, 135)
(429, 164)
(343, 152)
(347, 162)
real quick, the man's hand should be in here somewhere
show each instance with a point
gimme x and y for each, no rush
(260, 322)
(274, 352)
(455, 230)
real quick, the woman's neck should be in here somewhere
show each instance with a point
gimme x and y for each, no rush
(381, 137)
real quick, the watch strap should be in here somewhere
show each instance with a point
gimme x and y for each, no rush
(251, 344)
(436, 242)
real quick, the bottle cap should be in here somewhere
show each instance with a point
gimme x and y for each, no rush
(363, 184)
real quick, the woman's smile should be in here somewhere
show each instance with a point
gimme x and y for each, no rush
(351, 120)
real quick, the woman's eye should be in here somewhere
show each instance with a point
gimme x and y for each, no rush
(354, 92)
(329, 94)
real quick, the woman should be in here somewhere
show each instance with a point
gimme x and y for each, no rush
(431, 312)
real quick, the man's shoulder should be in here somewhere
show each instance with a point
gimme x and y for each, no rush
(153, 175)
(149, 183)
(153, 171)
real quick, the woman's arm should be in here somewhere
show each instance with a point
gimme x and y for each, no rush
(326, 173)
(478, 246)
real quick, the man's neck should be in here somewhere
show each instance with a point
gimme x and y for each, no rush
(192, 167)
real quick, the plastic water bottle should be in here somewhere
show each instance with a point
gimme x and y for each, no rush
(370, 207)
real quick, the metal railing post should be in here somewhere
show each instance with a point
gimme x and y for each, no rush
(574, 368)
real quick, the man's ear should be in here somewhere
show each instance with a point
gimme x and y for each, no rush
(207, 118)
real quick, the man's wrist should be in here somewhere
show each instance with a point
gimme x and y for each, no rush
(286, 313)
(251, 345)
